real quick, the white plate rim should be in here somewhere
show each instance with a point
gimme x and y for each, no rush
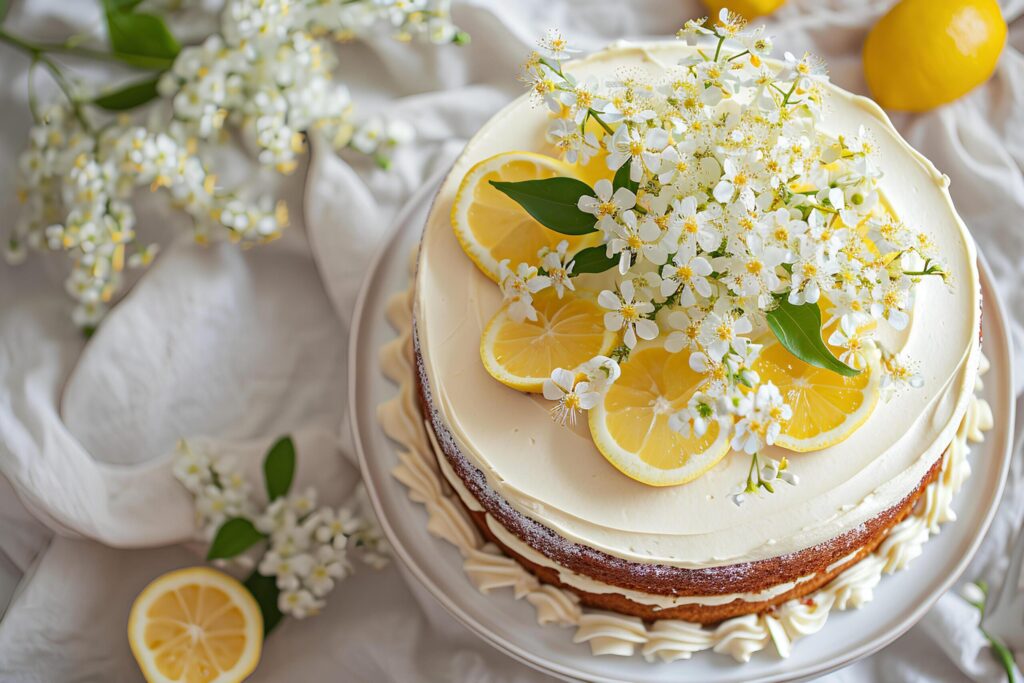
(555, 668)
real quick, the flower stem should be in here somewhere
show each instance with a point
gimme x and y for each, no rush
(38, 56)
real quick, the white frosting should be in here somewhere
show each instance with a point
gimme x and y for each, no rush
(667, 639)
(557, 477)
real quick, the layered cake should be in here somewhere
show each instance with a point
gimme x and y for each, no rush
(693, 344)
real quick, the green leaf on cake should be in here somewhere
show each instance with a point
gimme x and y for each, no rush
(593, 260)
(621, 179)
(279, 467)
(553, 203)
(798, 329)
(234, 537)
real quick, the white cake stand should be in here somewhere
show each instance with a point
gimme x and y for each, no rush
(509, 625)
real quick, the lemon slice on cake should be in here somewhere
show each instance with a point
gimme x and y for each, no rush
(197, 625)
(567, 333)
(631, 424)
(827, 407)
(492, 227)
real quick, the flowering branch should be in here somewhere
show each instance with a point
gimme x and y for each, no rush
(305, 548)
(268, 76)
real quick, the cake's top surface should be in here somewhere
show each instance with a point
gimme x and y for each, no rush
(556, 476)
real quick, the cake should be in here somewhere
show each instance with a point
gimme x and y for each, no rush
(677, 555)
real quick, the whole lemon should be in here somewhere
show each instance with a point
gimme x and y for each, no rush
(748, 9)
(924, 53)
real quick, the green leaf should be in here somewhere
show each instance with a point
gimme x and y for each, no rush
(593, 260)
(128, 97)
(798, 328)
(264, 589)
(279, 467)
(4, 6)
(234, 536)
(621, 179)
(553, 203)
(144, 35)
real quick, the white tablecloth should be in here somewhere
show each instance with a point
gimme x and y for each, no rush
(234, 348)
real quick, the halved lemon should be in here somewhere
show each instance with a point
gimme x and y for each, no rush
(491, 227)
(195, 625)
(567, 333)
(630, 426)
(827, 407)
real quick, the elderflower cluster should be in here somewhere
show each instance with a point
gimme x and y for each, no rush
(307, 546)
(77, 188)
(728, 202)
(308, 549)
(220, 491)
(269, 74)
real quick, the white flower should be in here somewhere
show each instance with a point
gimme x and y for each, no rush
(697, 225)
(518, 288)
(740, 179)
(575, 145)
(890, 300)
(555, 47)
(329, 565)
(572, 396)
(813, 272)
(298, 603)
(627, 314)
(334, 524)
(851, 339)
(601, 372)
(687, 273)
(761, 416)
(685, 331)
(288, 570)
(192, 468)
(898, 374)
(693, 420)
(721, 331)
(606, 203)
(639, 238)
(626, 145)
(558, 266)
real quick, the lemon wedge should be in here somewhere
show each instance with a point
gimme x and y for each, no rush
(567, 333)
(827, 407)
(631, 424)
(492, 227)
(195, 625)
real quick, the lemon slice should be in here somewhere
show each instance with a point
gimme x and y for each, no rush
(567, 333)
(491, 227)
(630, 426)
(827, 407)
(195, 625)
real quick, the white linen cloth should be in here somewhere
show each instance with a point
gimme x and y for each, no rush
(232, 349)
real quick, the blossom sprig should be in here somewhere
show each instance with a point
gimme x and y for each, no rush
(729, 215)
(266, 78)
(763, 477)
(306, 547)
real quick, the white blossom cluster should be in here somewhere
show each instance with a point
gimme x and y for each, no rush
(307, 546)
(270, 74)
(308, 549)
(737, 201)
(77, 187)
(219, 489)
